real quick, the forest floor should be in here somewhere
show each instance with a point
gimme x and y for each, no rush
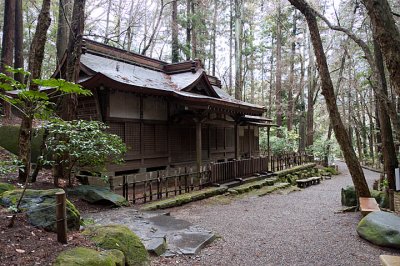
(288, 227)
(24, 244)
(305, 227)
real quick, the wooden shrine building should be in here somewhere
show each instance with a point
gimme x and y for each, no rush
(167, 114)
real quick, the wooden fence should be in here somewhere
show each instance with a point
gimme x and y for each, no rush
(229, 171)
(145, 187)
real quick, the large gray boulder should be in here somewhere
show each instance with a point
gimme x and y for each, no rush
(102, 195)
(90, 257)
(40, 206)
(381, 228)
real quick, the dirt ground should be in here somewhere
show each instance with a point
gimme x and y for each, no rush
(24, 244)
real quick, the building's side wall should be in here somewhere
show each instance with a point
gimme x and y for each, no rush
(157, 135)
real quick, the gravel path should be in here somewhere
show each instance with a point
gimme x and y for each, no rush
(299, 228)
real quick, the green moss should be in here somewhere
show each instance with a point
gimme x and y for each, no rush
(121, 238)
(90, 257)
(5, 187)
(40, 205)
(9, 140)
(184, 198)
(331, 170)
(295, 169)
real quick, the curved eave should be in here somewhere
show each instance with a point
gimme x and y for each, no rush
(100, 79)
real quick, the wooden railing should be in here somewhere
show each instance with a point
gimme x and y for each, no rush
(229, 171)
(145, 187)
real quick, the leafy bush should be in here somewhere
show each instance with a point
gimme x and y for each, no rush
(84, 144)
(280, 145)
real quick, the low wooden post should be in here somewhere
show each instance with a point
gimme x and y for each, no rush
(61, 217)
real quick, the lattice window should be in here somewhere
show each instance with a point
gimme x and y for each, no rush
(230, 137)
(213, 138)
(161, 138)
(117, 129)
(132, 137)
(220, 138)
(149, 139)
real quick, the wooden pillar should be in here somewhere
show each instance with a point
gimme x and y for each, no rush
(237, 151)
(268, 150)
(250, 139)
(198, 146)
(61, 216)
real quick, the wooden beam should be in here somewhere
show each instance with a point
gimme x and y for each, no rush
(198, 146)
(237, 152)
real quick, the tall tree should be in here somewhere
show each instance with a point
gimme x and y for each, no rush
(289, 119)
(175, 32)
(188, 29)
(387, 34)
(155, 29)
(36, 55)
(74, 51)
(238, 49)
(342, 137)
(388, 148)
(19, 39)
(64, 20)
(278, 74)
(7, 49)
(214, 37)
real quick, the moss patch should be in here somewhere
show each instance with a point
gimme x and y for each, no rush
(121, 238)
(90, 257)
(184, 198)
(41, 207)
(295, 169)
(5, 187)
(9, 140)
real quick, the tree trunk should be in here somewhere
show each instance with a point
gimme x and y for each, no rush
(388, 104)
(278, 75)
(386, 33)
(188, 29)
(342, 137)
(238, 49)
(230, 46)
(19, 40)
(69, 102)
(194, 29)
(338, 84)
(107, 30)
(302, 116)
(289, 118)
(7, 46)
(388, 148)
(174, 30)
(64, 20)
(310, 96)
(155, 30)
(129, 33)
(214, 37)
(36, 55)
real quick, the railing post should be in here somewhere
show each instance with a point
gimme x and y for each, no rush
(61, 217)
(134, 189)
(124, 187)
